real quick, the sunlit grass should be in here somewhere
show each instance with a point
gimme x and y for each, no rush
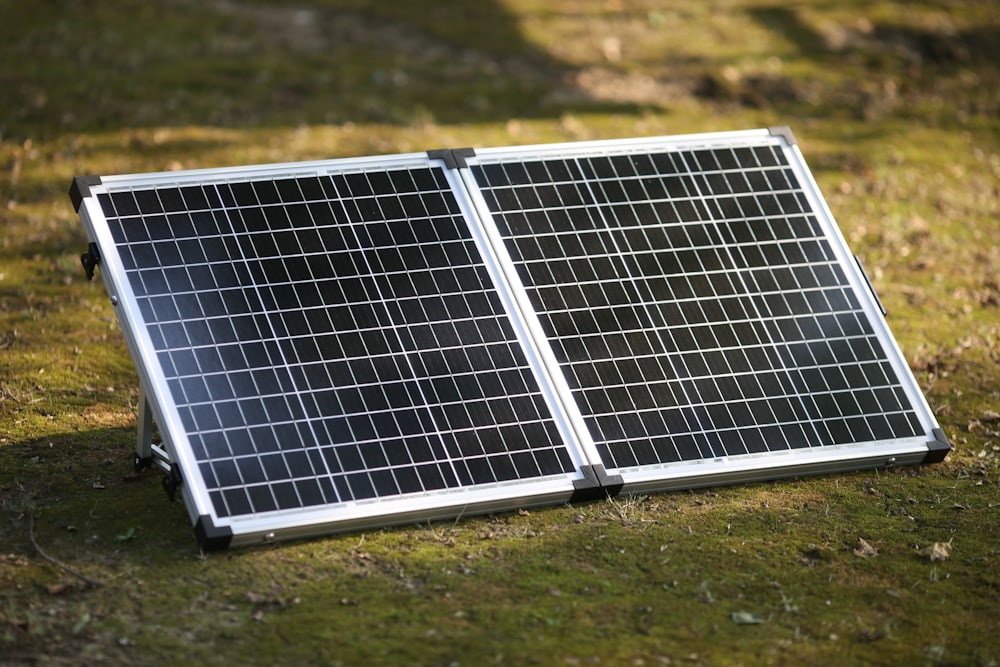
(896, 109)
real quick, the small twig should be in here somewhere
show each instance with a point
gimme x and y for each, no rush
(62, 566)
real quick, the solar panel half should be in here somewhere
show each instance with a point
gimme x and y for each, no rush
(323, 346)
(703, 310)
(351, 343)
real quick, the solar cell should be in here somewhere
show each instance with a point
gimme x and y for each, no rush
(358, 342)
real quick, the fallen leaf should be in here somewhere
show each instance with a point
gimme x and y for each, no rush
(938, 551)
(746, 618)
(57, 589)
(864, 549)
(127, 535)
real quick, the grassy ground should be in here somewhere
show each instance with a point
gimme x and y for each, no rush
(896, 107)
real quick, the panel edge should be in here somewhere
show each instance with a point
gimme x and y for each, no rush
(871, 286)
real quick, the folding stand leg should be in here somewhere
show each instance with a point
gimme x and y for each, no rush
(144, 434)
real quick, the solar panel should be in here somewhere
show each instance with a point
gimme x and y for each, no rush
(350, 343)
(701, 305)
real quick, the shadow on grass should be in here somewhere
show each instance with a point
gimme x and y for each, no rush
(939, 46)
(86, 67)
(926, 74)
(82, 490)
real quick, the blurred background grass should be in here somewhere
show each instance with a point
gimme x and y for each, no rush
(896, 106)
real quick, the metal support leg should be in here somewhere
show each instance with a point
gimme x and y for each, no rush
(144, 434)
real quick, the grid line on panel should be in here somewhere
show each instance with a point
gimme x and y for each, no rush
(696, 393)
(332, 338)
(692, 422)
(706, 271)
(796, 371)
(293, 399)
(420, 389)
(709, 200)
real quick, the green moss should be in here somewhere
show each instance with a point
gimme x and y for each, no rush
(895, 106)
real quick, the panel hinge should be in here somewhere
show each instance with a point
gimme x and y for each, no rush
(90, 260)
(454, 158)
(172, 481)
(596, 484)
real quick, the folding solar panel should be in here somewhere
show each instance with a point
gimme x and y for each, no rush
(350, 343)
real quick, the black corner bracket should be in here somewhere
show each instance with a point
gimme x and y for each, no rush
(937, 448)
(172, 481)
(211, 537)
(454, 158)
(90, 259)
(80, 188)
(596, 484)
